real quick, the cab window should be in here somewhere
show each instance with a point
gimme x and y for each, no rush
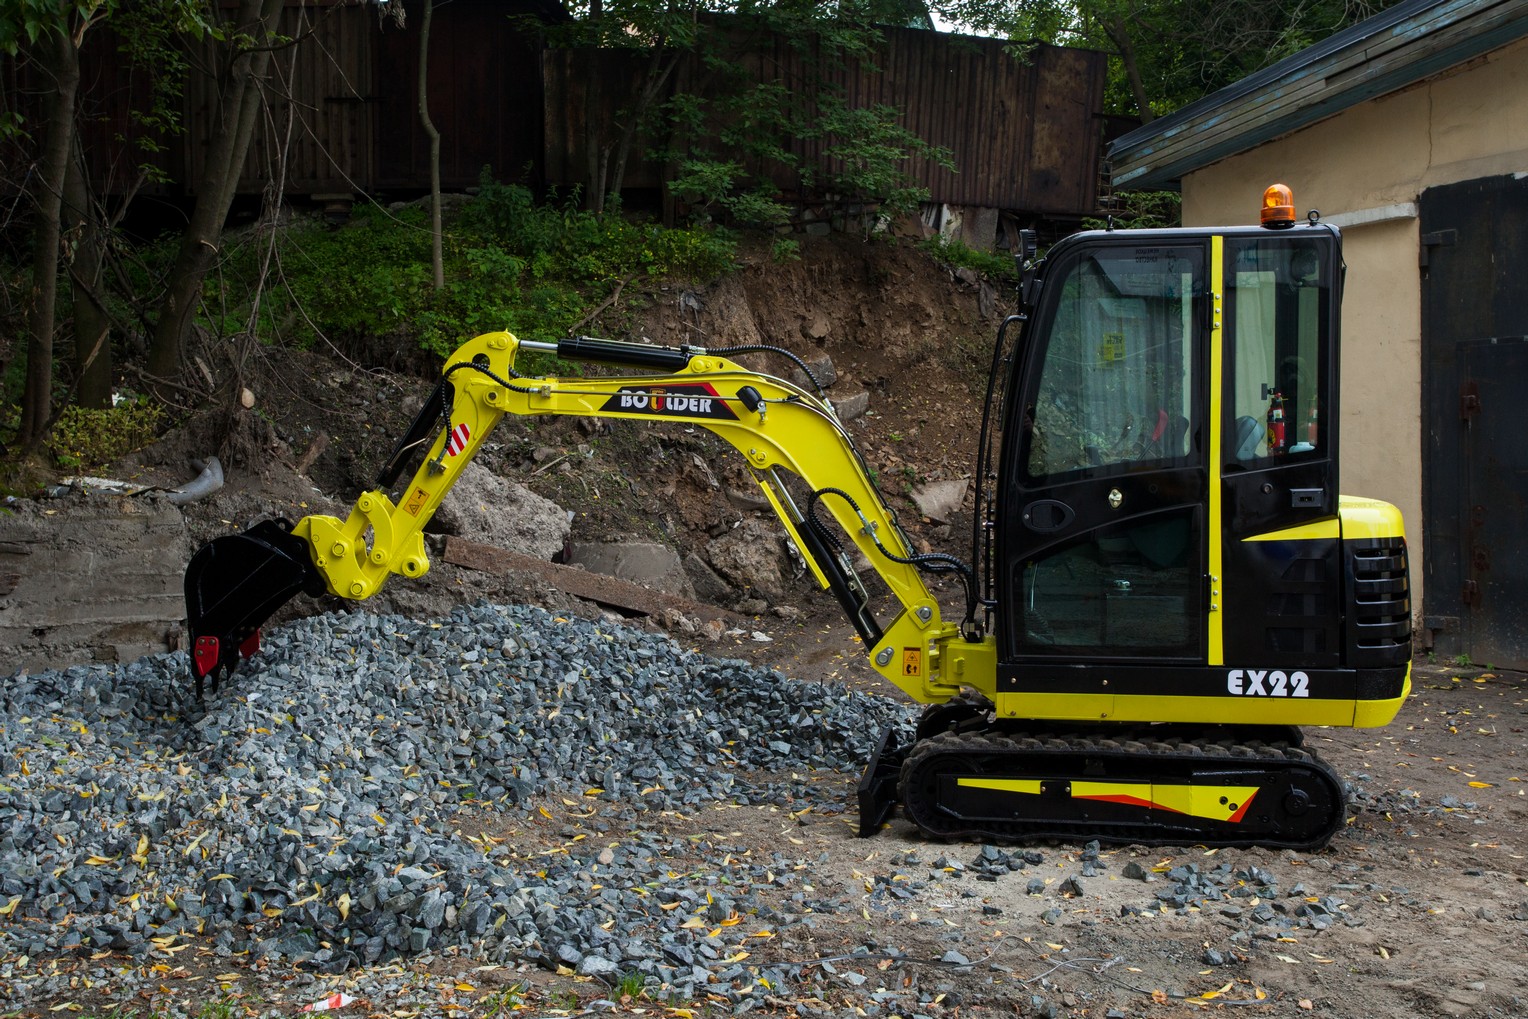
(1116, 386)
(1279, 313)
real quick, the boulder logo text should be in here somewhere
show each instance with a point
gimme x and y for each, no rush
(699, 400)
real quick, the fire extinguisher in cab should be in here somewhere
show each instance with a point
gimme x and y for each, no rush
(1276, 424)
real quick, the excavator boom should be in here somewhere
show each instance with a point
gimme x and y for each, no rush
(235, 583)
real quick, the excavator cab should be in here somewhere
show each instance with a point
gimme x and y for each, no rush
(1170, 482)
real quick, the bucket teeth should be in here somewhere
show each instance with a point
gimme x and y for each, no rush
(233, 585)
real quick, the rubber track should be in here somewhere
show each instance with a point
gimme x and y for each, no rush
(919, 789)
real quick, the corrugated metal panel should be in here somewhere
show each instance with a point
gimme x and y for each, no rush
(110, 89)
(317, 111)
(485, 97)
(1025, 134)
(355, 78)
(1399, 47)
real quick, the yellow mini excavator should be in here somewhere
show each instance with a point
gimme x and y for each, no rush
(1163, 586)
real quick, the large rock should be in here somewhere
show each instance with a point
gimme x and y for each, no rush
(940, 500)
(751, 557)
(485, 507)
(709, 586)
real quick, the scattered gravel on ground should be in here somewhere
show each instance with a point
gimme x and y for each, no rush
(305, 813)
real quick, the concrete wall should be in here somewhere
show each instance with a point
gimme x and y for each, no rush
(98, 579)
(1364, 169)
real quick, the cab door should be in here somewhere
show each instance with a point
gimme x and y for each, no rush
(1104, 540)
(1281, 570)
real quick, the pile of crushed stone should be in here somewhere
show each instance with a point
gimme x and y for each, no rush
(303, 813)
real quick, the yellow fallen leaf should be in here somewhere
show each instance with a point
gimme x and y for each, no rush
(343, 905)
(101, 861)
(1289, 959)
(1482, 785)
(9, 907)
(465, 987)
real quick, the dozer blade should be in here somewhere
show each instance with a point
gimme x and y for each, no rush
(877, 789)
(234, 584)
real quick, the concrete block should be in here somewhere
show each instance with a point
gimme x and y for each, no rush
(641, 562)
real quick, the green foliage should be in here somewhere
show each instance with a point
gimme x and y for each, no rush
(866, 153)
(706, 184)
(871, 149)
(956, 254)
(502, 1003)
(1180, 50)
(1143, 210)
(511, 263)
(785, 249)
(152, 32)
(86, 438)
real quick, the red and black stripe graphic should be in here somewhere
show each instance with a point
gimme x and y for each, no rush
(690, 400)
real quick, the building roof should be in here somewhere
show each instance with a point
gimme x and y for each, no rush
(1407, 43)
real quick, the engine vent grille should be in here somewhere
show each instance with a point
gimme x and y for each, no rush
(1379, 612)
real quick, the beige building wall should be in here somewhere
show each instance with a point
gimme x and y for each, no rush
(1364, 170)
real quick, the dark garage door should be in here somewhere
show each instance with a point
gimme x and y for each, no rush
(1475, 418)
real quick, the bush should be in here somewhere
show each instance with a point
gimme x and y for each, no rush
(510, 263)
(86, 438)
(955, 253)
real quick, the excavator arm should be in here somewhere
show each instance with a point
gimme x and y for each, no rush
(235, 583)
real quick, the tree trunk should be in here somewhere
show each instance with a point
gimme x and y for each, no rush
(437, 257)
(60, 59)
(660, 67)
(238, 107)
(1119, 34)
(92, 324)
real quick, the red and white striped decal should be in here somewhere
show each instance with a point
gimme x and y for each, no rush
(458, 440)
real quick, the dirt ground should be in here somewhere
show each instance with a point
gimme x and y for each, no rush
(1418, 907)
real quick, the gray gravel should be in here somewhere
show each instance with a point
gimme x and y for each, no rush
(305, 813)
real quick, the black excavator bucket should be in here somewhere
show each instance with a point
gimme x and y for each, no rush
(878, 784)
(234, 584)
